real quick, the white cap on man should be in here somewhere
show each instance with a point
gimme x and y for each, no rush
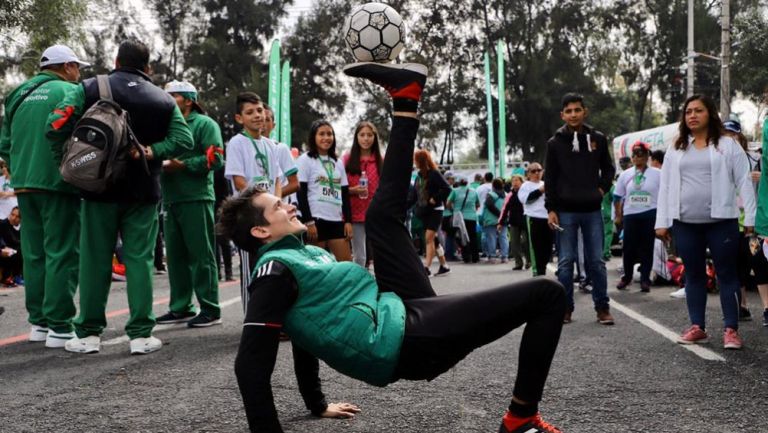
(58, 55)
(185, 89)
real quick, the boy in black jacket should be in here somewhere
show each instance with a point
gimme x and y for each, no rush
(579, 171)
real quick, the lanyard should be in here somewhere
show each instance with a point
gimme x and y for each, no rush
(639, 178)
(261, 158)
(330, 169)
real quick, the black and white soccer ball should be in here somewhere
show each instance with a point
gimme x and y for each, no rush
(374, 32)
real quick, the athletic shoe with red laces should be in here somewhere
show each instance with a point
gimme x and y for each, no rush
(731, 339)
(401, 80)
(532, 424)
(693, 335)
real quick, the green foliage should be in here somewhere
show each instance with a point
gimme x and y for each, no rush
(316, 53)
(226, 54)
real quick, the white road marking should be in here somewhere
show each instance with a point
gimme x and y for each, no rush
(124, 338)
(701, 352)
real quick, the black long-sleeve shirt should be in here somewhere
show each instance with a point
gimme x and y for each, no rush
(574, 178)
(272, 295)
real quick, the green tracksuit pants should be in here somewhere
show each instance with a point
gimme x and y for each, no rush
(607, 236)
(137, 225)
(49, 243)
(191, 253)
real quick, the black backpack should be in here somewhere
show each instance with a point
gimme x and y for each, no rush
(97, 154)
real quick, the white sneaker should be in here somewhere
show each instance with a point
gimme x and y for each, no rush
(56, 340)
(89, 344)
(679, 294)
(37, 333)
(142, 346)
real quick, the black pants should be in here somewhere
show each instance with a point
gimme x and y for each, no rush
(12, 266)
(442, 330)
(540, 237)
(471, 251)
(639, 234)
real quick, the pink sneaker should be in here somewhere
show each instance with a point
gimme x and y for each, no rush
(693, 335)
(731, 339)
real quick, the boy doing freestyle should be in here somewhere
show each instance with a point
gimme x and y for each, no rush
(394, 326)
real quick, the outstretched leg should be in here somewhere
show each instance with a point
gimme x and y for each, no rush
(440, 331)
(398, 267)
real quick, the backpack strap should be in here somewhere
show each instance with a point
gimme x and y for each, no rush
(105, 90)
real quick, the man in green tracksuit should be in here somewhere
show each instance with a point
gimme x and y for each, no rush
(188, 198)
(129, 206)
(51, 208)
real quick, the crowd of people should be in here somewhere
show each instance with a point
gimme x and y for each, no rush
(321, 231)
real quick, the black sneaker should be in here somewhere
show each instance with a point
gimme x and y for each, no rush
(744, 315)
(427, 271)
(765, 318)
(171, 317)
(203, 320)
(401, 80)
(442, 271)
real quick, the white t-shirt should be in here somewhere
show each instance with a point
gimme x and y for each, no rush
(287, 167)
(639, 191)
(482, 192)
(535, 209)
(243, 160)
(324, 197)
(6, 204)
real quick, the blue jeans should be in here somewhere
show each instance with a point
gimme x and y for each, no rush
(722, 238)
(490, 239)
(591, 224)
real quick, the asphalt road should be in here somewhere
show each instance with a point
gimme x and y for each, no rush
(624, 378)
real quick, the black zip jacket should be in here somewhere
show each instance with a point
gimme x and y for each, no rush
(574, 179)
(150, 109)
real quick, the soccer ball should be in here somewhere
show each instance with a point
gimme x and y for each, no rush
(374, 32)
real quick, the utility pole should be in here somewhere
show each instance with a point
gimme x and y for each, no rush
(691, 53)
(725, 72)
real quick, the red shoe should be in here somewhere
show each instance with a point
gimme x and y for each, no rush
(8, 282)
(532, 424)
(731, 339)
(693, 335)
(401, 80)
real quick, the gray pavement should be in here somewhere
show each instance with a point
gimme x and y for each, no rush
(624, 378)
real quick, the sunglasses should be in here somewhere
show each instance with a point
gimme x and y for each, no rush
(535, 170)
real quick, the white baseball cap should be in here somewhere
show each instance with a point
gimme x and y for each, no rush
(187, 90)
(180, 87)
(60, 54)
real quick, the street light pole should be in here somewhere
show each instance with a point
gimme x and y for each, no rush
(725, 73)
(691, 54)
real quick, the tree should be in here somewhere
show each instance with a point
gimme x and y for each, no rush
(225, 55)
(316, 51)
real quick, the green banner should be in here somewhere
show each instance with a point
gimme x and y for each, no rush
(274, 86)
(285, 105)
(489, 103)
(502, 111)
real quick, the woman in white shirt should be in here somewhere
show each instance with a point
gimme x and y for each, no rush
(531, 195)
(324, 193)
(702, 173)
(635, 196)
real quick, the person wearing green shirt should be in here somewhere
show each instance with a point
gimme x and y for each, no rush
(761, 216)
(51, 207)
(464, 199)
(129, 206)
(188, 197)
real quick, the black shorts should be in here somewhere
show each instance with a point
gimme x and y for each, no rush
(433, 219)
(327, 230)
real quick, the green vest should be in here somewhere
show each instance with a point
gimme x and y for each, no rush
(339, 314)
(489, 219)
